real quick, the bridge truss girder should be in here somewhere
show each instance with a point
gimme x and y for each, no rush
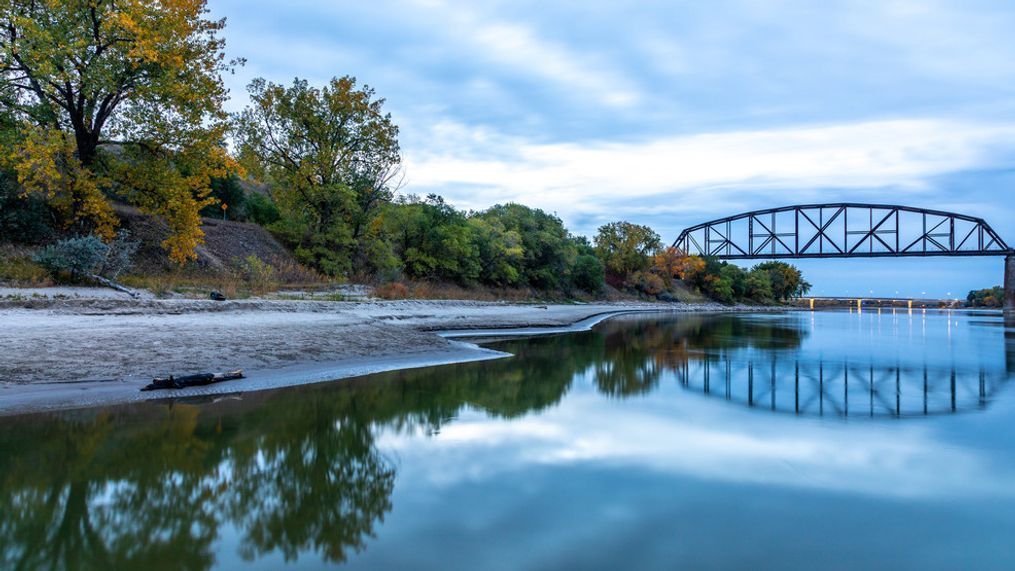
(842, 230)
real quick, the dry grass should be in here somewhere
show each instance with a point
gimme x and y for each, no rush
(231, 285)
(393, 290)
(450, 291)
(18, 270)
(23, 272)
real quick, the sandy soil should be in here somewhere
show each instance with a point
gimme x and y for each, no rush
(84, 351)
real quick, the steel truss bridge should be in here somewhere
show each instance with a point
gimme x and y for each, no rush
(842, 230)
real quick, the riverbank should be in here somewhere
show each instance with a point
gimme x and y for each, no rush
(83, 352)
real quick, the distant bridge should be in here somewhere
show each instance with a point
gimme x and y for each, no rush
(848, 230)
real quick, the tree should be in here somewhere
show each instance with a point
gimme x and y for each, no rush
(588, 273)
(433, 240)
(119, 97)
(230, 199)
(547, 249)
(786, 280)
(331, 158)
(501, 253)
(625, 248)
(758, 285)
(990, 297)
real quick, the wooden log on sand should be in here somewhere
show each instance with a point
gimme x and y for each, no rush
(197, 380)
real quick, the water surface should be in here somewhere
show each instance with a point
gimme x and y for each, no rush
(785, 441)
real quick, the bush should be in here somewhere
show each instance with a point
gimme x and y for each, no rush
(230, 194)
(119, 255)
(588, 274)
(259, 275)
(647, 283)
(77, 256)
(393, 290)
(88, 256)
(23, 219)
(260, 209)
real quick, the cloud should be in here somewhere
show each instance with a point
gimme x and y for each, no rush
(518, 47)
(699, 172)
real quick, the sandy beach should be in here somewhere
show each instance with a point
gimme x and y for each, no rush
(72, 352)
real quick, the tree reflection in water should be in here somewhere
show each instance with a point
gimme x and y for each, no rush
(297, 471)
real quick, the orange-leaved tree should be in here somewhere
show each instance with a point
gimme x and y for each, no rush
(116, 99)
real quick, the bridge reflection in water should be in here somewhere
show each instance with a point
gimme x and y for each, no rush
(840, 388)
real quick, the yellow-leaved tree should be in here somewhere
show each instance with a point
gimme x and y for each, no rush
(116, 99)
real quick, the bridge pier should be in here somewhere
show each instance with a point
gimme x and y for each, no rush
(1009, 283)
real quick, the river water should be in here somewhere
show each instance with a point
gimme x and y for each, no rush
(768, 441)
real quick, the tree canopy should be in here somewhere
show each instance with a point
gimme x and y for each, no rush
(116, 98)
(626, 248)
(331, 158)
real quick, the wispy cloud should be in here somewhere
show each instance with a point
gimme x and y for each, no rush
(700, 172)
(516, 46)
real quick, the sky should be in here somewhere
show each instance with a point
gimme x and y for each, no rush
(671, 113)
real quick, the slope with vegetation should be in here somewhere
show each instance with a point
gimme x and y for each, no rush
(115, 148)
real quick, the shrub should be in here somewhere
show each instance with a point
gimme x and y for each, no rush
(588, 274)
(259, 275)
(647, 283)
(88, 256)
(230, 194)
(392, 290)
(77, 256)
(260, 209)
(23, 219)
(119, 255)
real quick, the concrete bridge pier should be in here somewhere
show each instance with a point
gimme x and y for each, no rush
(1009, 283)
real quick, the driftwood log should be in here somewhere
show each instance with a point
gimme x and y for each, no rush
(112, 284)
(197, 380)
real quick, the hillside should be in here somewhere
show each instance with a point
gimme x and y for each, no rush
(226, 243)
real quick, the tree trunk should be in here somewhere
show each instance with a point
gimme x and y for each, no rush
(88, 146)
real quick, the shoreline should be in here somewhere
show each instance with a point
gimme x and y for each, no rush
(56, 349)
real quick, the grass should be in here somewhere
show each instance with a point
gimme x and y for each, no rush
(21, 271)
(245, 278)
(233, 286)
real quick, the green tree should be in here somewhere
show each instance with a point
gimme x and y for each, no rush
(548, 249)
(736, 278)
(626, 248)
(260, 209)
(83, 76)
(990, 297)
(230, 199)
(758, 285)
(433, 240)
(588, 273)
(501, 254)
(331, 158)
(787, 281)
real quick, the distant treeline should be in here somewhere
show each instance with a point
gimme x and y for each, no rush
(990, 297)
(123, 103)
